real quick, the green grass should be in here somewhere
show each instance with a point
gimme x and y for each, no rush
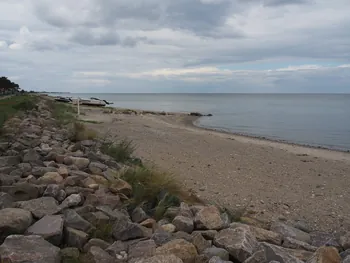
(79, 132)
(156, 189)
(103, 232)
(12, 105)
(62, 112)
(121, 151)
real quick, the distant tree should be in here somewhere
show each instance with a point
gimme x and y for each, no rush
(8, 87)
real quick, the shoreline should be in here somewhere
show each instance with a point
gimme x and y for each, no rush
(236, 171)
(266, 139)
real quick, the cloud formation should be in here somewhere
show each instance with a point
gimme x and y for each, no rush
(176, 46)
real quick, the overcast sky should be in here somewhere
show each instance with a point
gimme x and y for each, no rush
(176, 45)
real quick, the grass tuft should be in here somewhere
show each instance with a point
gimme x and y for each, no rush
(14, 104)
(62, 112)
(103, 232)
(120, 152)
(80, 133)
(155, 190)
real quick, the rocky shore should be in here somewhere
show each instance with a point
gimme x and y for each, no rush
(63, 200)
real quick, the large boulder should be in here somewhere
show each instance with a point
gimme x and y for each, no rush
(123, 229)
(75, 238)
(268, 252)
(208, 218)
(161, 237)
(14, 221)
(181, 248)
(6, 201)
(200, 242)
(49, 227)
(41, 207)
(21, 191)
(95, 242)
(289, 231)
(319, 239)
(183, 224)
(239, 242)
(29, 249)
(80, 162)
(9, 160)
(98, 255)
(142, 249)
(112, 201)
(262, 235)
(119, 186)
(292, 243)
(216, 252)
(40, 171)
(71, 201)
(31, 156)
(97, 168)
(138, 215)
(326, 255)
(50, 178)
(161, 259)
(74, 220)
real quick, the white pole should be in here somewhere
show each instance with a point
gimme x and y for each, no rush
(78, 108)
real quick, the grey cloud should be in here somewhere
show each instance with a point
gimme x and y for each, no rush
(285, 2)
(89, 38)
(198, 16)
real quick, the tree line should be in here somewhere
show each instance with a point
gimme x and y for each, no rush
(8, 87)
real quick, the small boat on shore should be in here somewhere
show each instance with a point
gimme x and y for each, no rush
(63, 99)
(92, 102)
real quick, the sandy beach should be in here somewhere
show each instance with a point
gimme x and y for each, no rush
(271, 179)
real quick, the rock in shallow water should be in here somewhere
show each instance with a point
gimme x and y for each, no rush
(29, 249)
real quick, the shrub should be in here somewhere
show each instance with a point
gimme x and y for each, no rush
(120, 152)
(63, 113)
(155, 190)
(80, 133)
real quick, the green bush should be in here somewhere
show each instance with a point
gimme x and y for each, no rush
(120, 152)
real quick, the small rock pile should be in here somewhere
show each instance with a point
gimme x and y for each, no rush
(62, 201)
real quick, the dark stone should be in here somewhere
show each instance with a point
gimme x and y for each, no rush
(74, 220)
(103, 200)
(161, 237)
(142, 249)
(183, 223)
(95, 242)
(40, 171)
(97, 218)
(123, 229)
(138, 215)
(9, 160)
(31, 156)
(7, 180)
(183, 235)
(14, 221)
(319, 239)
(70, 255)
(41, 207)
(75, 238)
(117, 247)
(218, 252)
(21, 191)
(6, 201)
(29, 249)
(98, 255)
(50, 228)
(71, 201)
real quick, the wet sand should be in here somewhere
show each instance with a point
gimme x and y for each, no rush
(271, 178)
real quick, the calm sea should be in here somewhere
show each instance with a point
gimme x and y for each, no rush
(310, 119)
